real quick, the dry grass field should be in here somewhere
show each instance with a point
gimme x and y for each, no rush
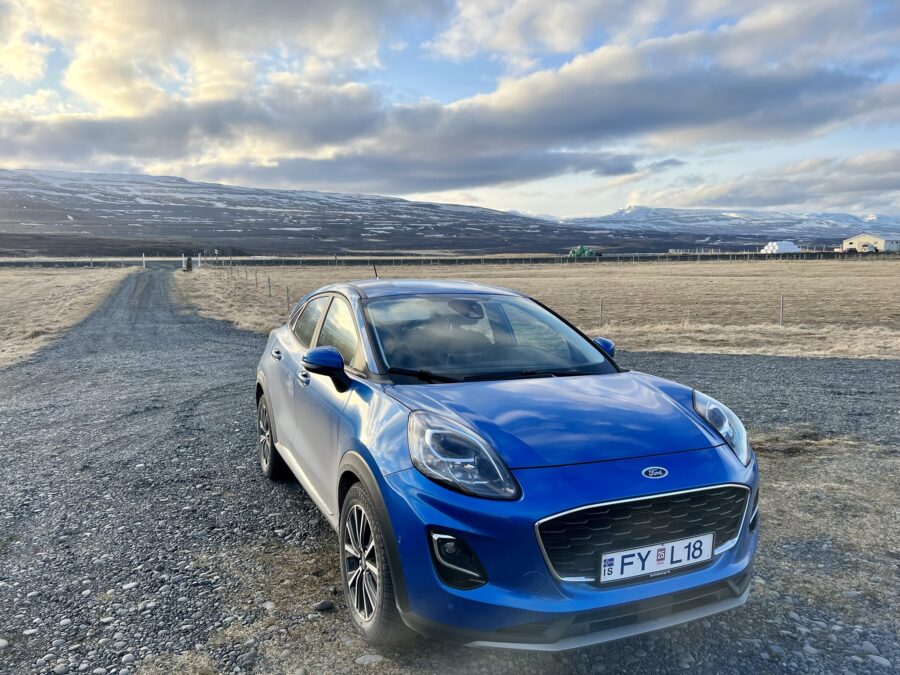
(36, 305)
(831, 308)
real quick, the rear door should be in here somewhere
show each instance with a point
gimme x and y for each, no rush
(319, 405)
(291, 343)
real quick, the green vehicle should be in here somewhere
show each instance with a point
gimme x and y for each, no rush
(581, 251)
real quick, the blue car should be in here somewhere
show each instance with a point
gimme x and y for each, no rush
(495, 478)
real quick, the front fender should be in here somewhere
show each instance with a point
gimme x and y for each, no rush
(358, 465)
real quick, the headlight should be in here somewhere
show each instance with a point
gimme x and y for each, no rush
(725, 422)
(451, 453)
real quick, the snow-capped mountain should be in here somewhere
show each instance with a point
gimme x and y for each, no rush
(54, 212)
(758, 224)
(85, 210)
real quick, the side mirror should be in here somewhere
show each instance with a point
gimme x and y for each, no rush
(606, 345)
(329, 362)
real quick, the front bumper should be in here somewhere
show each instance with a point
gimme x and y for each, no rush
(523, 606)
(605, 625)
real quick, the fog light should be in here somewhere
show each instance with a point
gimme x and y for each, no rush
(455, 562)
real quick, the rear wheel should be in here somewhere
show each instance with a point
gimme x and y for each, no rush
(271, 463)
(366, 573)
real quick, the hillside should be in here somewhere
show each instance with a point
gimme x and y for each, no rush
(60, 212)
(48, 212)
(739, 224)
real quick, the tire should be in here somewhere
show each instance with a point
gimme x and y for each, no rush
(371, 600)
(271, 463)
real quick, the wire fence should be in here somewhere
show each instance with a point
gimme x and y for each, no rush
(413, 260)
(664, 305)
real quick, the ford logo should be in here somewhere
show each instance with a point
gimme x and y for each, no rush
(655, 472)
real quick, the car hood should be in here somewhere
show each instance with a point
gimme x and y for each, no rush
(555, 421)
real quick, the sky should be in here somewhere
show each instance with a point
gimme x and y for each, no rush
(559, 108)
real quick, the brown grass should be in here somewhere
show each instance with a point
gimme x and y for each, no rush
(832, 308)
(829, 506)
(36, 305)
(187, 663)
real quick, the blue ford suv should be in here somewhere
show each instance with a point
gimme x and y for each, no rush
(494, 477)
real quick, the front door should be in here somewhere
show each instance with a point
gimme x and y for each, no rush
(319, 406)
(290, 345)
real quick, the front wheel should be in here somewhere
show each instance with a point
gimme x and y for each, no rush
(271, 463)
(366, 573)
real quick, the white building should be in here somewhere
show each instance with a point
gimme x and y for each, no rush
(869, 242)
(780, 247)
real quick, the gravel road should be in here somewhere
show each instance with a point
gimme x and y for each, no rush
(138, 535)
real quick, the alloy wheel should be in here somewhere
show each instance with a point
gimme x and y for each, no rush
(361, 563)
(265, 437)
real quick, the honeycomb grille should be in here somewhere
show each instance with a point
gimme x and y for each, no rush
(574, 541)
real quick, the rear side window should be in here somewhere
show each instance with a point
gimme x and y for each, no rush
(339, 331)
(309, 319)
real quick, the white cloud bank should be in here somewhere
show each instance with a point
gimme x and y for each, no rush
(867, 182)
(275, 92)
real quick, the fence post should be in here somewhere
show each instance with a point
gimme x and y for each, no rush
(270, 286)
(601, 312)
(143, 261)
(781, 311)
(287, 297)
(256, 278)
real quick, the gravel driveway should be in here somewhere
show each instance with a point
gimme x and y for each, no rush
(138, 535)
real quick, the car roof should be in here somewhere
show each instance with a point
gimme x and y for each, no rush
(378, 288)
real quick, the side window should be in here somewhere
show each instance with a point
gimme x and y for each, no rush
(531, 333)
(339, 331)
(306, 323)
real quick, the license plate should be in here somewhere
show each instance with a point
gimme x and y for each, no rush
(656, 559)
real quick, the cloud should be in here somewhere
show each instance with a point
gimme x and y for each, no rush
(279, 92)
(861, 183)
(518, 29)
(744, 32)
(636, 176)
(128, 57)
(387, 172)
(22, 56)
(305, 119)
(41, 103)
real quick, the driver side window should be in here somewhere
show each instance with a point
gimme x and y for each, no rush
(339, 331)
(531, 333)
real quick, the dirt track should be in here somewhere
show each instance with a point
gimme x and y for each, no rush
(136, 532)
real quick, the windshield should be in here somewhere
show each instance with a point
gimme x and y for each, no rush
(462, 337)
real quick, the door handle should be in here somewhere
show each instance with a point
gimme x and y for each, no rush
(276, 354)
(302, 378)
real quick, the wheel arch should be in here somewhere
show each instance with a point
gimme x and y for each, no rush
(355, 469)
(260, 394)
(260, 386)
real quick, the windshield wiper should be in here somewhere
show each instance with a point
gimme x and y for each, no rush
(423, 375)
(524, 374)
(508, 375)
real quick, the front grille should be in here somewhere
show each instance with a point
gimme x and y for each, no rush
(574, 541)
